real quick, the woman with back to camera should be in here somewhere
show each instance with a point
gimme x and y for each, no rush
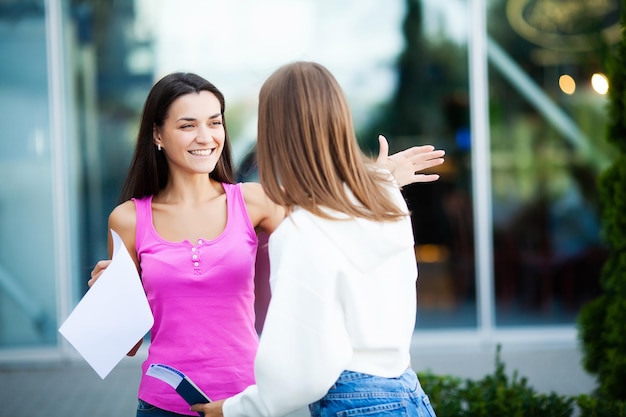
(192, 234)
(339, 324)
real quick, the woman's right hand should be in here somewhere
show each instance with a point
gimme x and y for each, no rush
(98, 270)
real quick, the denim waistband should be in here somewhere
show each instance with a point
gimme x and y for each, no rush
(356, 393)
(407, 379)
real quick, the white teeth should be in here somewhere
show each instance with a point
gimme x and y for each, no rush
(203, 152)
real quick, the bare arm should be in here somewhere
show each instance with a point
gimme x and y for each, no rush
(123, 220)
(264, 213)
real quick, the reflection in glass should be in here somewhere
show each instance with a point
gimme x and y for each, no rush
(547, 153)
(27, 282)
(430, 105)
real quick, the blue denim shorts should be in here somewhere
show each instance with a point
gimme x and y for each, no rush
(357, 394)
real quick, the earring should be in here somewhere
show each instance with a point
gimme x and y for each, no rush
(158, 146)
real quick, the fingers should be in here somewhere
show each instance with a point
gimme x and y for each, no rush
(416, 150)
(213, 409)
(383, 152)
(426, 177)
(408, 164)
(423, 154)
(428, 159)
(423, 164)
(421, 160)
(98, 270)
(383, 146)
(384, 161)
(420, 153)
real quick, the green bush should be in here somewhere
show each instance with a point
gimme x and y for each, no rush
(493, 396)
(445, 393)
(497, 395)
(602, 322)
(595, 407)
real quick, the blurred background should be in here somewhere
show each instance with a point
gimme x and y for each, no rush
(508, 241)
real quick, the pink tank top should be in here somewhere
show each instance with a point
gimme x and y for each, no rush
(202, 298)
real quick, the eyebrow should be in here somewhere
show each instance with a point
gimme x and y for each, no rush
(191, 119)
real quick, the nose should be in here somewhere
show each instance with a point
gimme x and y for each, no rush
(204, 135)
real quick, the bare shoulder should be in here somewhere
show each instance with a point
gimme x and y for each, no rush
(123, 217)
(257, 202)
(252, 192)
(264, 213)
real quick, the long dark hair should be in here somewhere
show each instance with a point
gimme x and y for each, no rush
(148, 173)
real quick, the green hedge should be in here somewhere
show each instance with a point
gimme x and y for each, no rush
(602, 322)
(497, 395)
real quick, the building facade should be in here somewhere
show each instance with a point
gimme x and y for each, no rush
(508, 241)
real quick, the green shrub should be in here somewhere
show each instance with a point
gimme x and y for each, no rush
(595, 407)
(445, 393)
(602, 322)
(496, 395)
(493, 396)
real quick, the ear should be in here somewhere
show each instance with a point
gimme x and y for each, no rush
(156, 137)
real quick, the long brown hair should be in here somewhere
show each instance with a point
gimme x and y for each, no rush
(307, 148)
(149, 172)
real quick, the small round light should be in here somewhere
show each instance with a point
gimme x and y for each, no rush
(567, 84)
(600, 83)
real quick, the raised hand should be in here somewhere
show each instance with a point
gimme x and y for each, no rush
(406, 165)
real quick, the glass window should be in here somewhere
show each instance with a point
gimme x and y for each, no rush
(113, 74)
(27, 235)
(547, 149)
(431, 106)
(546, 87)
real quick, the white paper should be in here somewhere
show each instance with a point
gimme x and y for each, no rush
(112, 316)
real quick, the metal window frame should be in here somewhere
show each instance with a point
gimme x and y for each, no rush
(59, 132)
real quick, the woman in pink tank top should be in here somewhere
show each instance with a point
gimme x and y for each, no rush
(192, 233)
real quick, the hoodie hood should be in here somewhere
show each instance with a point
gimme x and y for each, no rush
(364, 243)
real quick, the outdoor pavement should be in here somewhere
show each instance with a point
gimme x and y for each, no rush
(68, 389)
(71, 388)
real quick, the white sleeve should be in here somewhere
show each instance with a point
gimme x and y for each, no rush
(304, 345)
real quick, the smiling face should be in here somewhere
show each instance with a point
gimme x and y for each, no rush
(192, 135)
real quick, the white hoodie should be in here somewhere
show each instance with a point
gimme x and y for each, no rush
(343, 298)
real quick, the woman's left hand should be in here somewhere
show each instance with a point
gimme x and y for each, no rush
(406, 165)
